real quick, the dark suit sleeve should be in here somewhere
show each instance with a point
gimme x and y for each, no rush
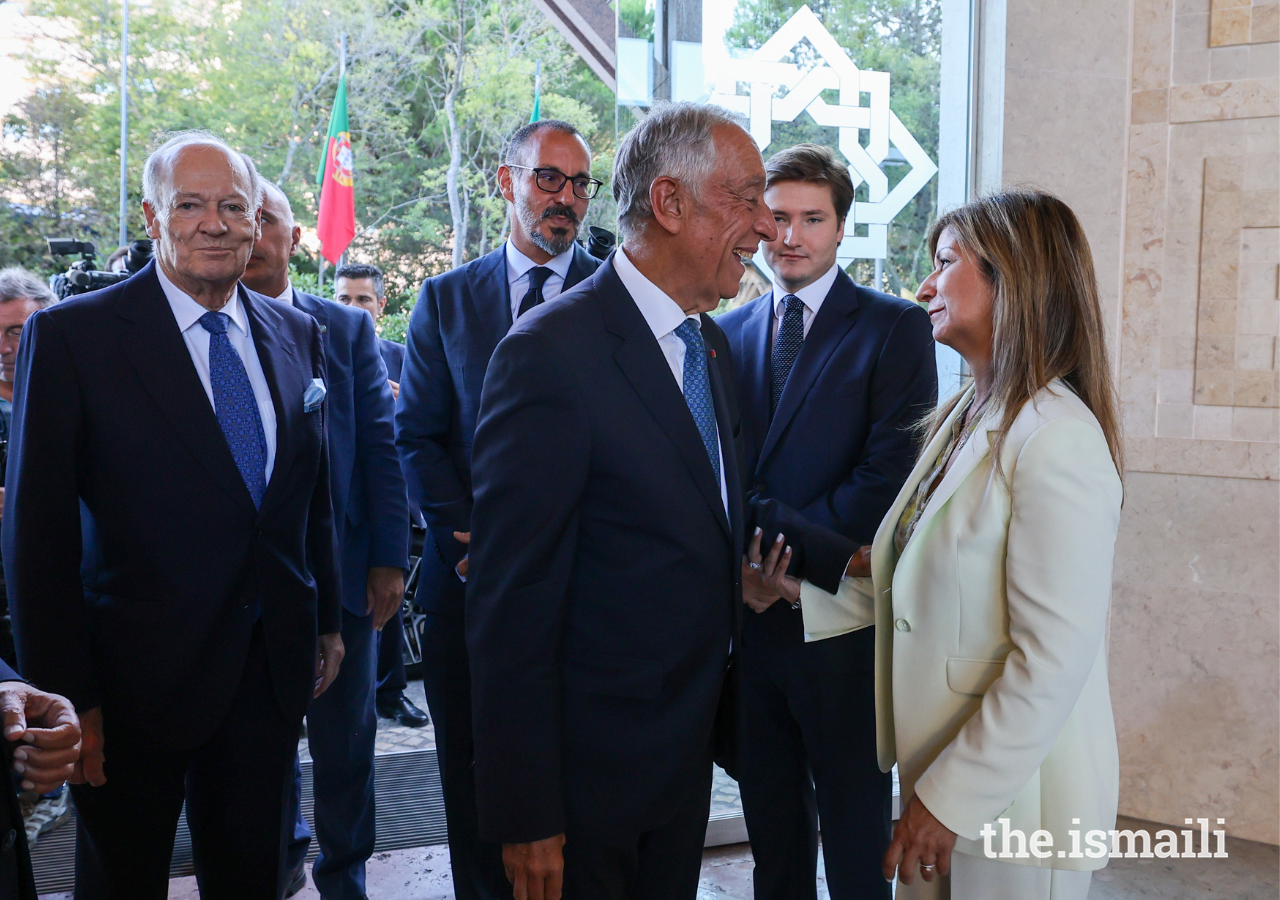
(376, 453)
(7, 674)
(322, 540)
(531, 460)
(904, 387)
(424, 415)
(41, 524)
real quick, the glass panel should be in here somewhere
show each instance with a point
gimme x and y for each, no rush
(861, 76)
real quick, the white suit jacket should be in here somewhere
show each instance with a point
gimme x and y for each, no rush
(991, 667)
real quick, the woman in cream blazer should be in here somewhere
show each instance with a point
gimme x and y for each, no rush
(989, 584)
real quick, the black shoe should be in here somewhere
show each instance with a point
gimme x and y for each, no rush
(402, 710)
(297, 880)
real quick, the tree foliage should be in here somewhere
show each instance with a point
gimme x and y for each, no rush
(262, 75)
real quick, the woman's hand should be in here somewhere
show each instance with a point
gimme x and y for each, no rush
(773, 569)
(920, 842)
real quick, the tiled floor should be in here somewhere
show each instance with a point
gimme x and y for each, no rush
(1249, 874)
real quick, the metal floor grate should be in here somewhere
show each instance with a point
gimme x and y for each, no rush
(410, 814)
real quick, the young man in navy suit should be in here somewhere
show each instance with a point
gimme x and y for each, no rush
(370, 511)
(360, 286)
(459, 320)
(169, 540)
(832, 377)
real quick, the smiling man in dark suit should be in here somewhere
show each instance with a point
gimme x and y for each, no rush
(832, 378)
(370, 511)
(608, 533)
(169, 541)
(458, 321)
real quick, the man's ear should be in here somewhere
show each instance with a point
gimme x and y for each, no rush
(297, 239)
(840, 230)
(504, 183)
(152, 220)
(671, 204)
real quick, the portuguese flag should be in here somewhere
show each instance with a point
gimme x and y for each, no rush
(336, 225)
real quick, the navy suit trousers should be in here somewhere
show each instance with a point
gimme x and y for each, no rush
(341, 727)
(236, 789)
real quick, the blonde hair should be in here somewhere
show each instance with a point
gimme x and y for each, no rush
(1047, 320)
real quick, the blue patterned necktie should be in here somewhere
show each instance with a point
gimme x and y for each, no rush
(697, 391)
(786, 346)
(236, 407)
(538, 276)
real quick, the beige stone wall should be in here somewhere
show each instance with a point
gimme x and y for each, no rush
(1159, 121)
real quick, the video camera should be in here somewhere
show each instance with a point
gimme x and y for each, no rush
(84, 276)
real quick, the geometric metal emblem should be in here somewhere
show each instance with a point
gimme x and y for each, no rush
(765, 74)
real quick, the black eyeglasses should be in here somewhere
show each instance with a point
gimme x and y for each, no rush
(552, 181)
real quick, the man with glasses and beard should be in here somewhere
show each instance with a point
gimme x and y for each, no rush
(458, 321)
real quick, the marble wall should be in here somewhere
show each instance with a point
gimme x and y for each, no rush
(1159, 121)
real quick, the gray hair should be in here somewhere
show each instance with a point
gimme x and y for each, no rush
(673, 141)
(17, 283)
(157, 171)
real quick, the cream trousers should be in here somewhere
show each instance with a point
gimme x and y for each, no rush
(979, 878)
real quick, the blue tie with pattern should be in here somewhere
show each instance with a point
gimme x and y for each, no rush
(786, 346)
(236, 407)
(697, 391)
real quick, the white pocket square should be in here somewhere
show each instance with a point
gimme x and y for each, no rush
(313, 396)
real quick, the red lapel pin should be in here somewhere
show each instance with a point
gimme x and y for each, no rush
(713, 352)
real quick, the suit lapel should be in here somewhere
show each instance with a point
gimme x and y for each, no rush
(155, 348)
(834, 319)
(641, 360)
(580, 269)
(491, 296)
(286, 380)
(755, 363)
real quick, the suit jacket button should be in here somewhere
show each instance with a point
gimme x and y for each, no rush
(902, 625)
(9, 840)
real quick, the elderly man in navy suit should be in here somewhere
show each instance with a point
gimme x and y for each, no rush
(609, 533)
(169, 539)
(360, 285)
(459, 320)
(370, 510)
(832, 376)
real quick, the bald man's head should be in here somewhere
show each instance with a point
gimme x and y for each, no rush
(268, 269)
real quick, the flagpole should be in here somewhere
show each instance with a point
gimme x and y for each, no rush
(342, 73)
(124, 127)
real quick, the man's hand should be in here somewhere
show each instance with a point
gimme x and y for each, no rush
(47, 732)
(395, 389)
(754, 593)
(385, 592)
(463, 537)
(331, 652)
(89, 766)
(536, 871)
(772, 569)
(920, 844)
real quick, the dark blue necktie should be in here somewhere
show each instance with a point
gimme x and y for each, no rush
(697, 391)
(538, 276)
(236, 407)
(786, 346)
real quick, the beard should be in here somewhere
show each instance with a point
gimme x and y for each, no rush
(561, 238)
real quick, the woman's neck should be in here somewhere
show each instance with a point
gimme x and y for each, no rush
(983, 379)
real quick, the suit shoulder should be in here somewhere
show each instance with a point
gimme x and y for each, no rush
(1055, 404)
(736, 318)
(887, 304)
(456, 278)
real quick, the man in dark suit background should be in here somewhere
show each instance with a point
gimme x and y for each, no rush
(360, 285)
(608, 533)
(370, 510)
(169, 542)
(832, 377)
(41, 743)
(458, 321)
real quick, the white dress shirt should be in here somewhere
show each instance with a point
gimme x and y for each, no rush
(664, 316)
(518, 279)
(187, 312)
(287, 296)
(811, 295)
